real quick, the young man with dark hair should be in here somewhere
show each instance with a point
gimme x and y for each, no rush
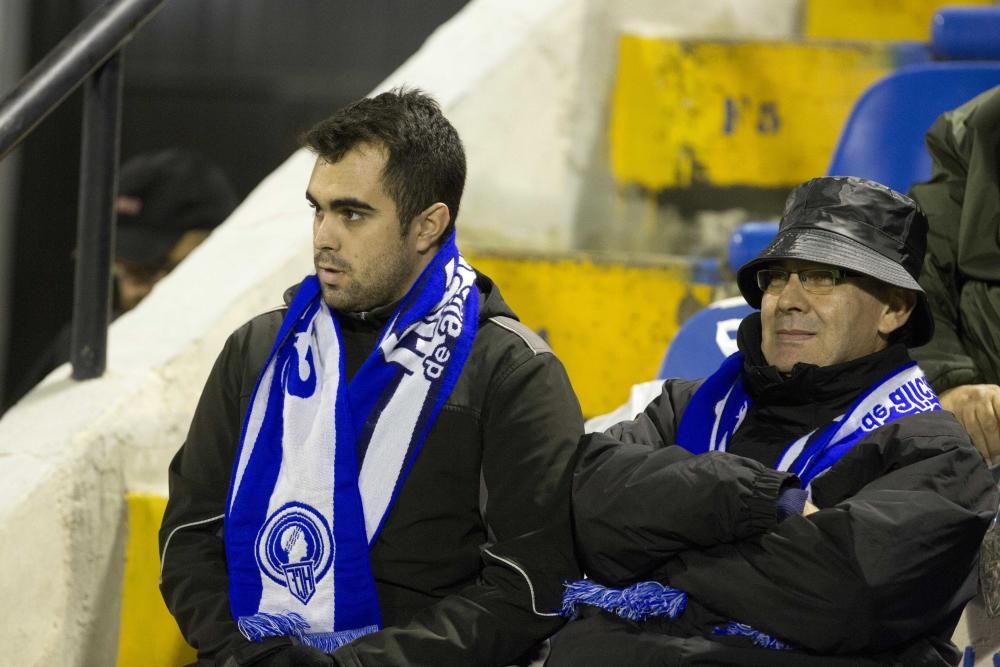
(807, 504)
(378, 473)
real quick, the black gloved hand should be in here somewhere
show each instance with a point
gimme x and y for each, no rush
(275, 652)
(297, 656)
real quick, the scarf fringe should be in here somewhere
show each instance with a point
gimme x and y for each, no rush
(756, 636)
(328, 642)
(650, 598)
(636, 602)
(259, 626)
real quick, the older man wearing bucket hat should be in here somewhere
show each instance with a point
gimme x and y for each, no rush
(807, 504)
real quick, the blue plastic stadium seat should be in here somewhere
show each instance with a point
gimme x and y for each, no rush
(747, 241)
(966, 33)
(883, 138)
(705, 271)
(707, 338)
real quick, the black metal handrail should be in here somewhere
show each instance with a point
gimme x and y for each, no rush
(91, 54)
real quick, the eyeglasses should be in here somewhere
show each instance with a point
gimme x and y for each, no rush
(814, 281)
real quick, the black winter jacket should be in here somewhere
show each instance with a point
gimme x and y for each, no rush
(961, 272)
(878, 576)
(470, 563)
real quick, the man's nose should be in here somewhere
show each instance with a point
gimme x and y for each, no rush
(793, 296)
(326, 233)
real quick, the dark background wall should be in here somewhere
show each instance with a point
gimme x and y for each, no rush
(238, 80)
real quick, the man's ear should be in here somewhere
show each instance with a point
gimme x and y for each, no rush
(898, 307)
(429, 226)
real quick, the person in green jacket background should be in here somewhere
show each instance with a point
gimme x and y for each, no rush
(962, 267)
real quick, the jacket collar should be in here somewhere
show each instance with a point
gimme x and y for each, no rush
(808, 383)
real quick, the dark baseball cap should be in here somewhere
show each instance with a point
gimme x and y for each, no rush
(176, 190)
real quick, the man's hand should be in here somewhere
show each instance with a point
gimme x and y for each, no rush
(977, 408)
(276, 652)
(299, 656)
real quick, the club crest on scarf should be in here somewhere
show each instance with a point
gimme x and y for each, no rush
(295, 549)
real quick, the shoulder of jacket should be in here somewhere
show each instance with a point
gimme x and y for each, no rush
(681, 391)
(529, 338)
(927, 424)
(276, 313)
(259, 329)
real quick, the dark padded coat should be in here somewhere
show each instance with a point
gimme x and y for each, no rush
(962, 267)
(470, 563)
(878, 576)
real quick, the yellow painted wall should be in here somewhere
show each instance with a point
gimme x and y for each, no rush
(765, 114)
(148, 636)
(609, 322)
(874, 19)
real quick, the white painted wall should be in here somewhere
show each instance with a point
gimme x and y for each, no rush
(525, 82)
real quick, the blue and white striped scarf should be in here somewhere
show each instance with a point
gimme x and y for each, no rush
(301, 516)
(719, 405)
(715, 412)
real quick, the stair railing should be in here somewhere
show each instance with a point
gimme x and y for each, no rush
(90, 55)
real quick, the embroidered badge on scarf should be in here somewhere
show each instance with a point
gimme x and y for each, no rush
(301, 515)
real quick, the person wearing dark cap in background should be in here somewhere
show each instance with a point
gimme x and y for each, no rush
(168, 202)
(807, 504)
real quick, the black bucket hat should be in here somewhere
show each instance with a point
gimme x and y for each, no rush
(855, 224)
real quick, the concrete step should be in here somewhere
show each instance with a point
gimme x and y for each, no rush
(605, 349)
